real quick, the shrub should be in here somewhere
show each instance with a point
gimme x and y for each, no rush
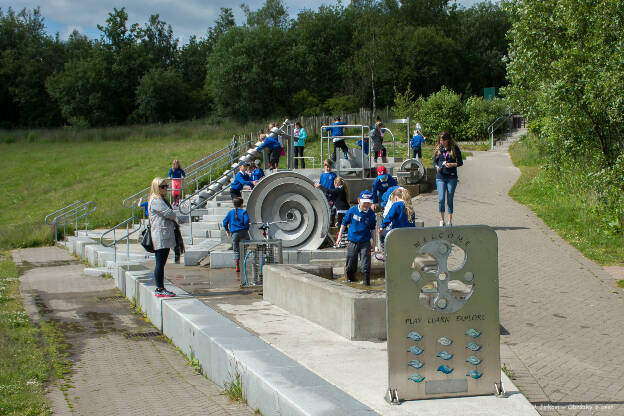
(480, 113)
(442, 111)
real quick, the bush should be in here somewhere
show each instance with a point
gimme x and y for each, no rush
(480, 113)
(442, 111)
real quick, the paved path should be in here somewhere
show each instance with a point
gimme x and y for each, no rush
(564, 313)
(121, 366)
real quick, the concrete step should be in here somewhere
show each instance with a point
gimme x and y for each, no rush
(196, 253)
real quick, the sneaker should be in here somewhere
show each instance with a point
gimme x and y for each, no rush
(450, 224)
(177, 261)
(442, 224)
(164, 293)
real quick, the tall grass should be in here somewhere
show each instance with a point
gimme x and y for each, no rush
(569, 199)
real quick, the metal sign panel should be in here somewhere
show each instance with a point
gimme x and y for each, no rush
(442, 312)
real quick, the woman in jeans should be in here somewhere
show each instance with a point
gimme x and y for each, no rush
(162, 223)
(446, 158)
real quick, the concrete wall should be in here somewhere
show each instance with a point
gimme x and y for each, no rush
(353, 313)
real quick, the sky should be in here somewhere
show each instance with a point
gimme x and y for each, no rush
(186, 17)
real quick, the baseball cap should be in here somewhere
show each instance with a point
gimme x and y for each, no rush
(366, 196)
(381, 170)
(244, 163)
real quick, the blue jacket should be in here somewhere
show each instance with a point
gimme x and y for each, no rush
(270, 142)
(381, 185)
(231, 224)
(176, 174)
(336, 131)
(360, 224)
(417, 141)
(327, 180)
(302, 137)
(145, 205)
(445, 156)
(386, 196)
(398, 217)
(257, 174)
(241, 179)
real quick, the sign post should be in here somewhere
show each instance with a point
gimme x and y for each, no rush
(442, 313)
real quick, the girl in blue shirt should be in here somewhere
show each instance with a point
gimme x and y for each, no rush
(176, 173)
(401, 214)
(236, 224)
(241, 179)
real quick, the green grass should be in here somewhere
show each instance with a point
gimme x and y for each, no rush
(234, 389)
(566, 204)
(29, 356)
(620, 283)
(60, 166)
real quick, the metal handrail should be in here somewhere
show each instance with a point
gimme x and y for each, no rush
(203, 168)
(494, 126)
(124, 237)
(220, 162)
(362, 136)
(71, 213)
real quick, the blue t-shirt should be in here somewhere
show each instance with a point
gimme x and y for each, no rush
(176, 173)
(231, 224)
(381, 185)
(398, 217)
(270, 142)
(386, 195)
(360, 224)
(327, 180)
(241, 179)
(336, 131)
(145, 205)
(257, 174)
(417, 141)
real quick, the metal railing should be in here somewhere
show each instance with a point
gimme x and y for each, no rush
(195, 173)
(325, 136)
(129, 231)
(497, 123)
(70, 214)
(224, 165)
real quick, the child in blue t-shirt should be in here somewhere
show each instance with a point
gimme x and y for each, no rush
(236, 224)
(416, 145)
(382, 183)
(258, 172)
(177, 174)
(241, 179)
(400, 215)
(361, 221)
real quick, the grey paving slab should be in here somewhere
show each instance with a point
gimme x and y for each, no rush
(115, 371)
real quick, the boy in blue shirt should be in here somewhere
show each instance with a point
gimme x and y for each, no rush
(337, 133)
(416, 144)
(327, 181)
(361, 221)
(241, 179)
(236, 224)
(382, 183)
(272, 143)
(258, 172)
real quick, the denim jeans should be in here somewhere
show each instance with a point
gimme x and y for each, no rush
(159, 268)
(446, 188)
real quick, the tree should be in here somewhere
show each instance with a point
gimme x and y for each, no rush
(247, 75)
(162, 96)
(27, 57)
(158, 41)
(272, 13)
(565, 68)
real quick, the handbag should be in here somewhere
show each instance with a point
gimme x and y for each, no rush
(146, 240)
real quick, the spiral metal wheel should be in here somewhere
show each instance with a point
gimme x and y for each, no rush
(292, 197)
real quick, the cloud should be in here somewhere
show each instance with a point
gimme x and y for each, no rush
(187, 17)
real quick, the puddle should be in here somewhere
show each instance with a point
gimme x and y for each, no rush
(25, 265)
